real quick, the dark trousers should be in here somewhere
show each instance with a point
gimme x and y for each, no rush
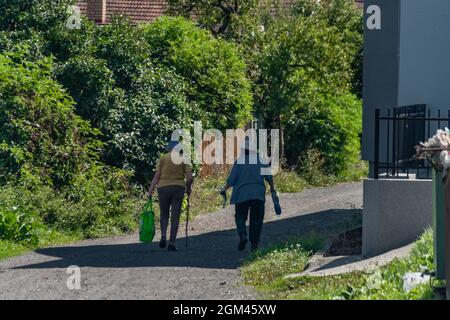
(256, 208)
(170, 197)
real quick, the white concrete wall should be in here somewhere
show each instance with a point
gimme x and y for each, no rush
(395, 213)
(424, 69)
(405, 62)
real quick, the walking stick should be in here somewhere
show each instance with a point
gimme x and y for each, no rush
(224, 204)
(187, 219)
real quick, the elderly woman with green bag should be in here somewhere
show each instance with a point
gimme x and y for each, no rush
(172, 181)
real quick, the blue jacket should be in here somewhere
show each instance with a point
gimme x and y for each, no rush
(247, 180)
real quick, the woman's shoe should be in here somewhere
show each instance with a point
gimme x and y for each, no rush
(162, 243)
(242, 243)
(171, 247)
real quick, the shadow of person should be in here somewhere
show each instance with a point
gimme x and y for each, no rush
(216, 250)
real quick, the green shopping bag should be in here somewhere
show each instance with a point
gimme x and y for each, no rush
(147, 223)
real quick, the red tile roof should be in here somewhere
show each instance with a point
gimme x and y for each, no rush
(136, 10)
(142, 10)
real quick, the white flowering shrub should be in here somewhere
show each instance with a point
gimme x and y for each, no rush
(436, 149)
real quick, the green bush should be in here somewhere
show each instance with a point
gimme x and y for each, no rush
(98, 202)
(18, 225)
(125, 49)
(213, 69)
(101, 203)
(390, 285)
(64, 43)
(311, 168)
(16, 41)
(138, 130)
(49, 156)
(39, 131)
(135, 104)
(92, 85)
(331, 126)
(289, 182)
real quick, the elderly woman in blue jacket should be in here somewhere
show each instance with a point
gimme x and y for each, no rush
(249, 194)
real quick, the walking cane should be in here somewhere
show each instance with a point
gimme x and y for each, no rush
(187, 218)
(224, 204)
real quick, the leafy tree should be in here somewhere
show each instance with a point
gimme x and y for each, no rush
(299, 56)
(111, 73)
(44, 22)
(219, 16)
(346, 18)
(213, 69)
(302, 57)
(38, 15)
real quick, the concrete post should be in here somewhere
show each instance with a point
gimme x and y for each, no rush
(439, 224)
(447, 238)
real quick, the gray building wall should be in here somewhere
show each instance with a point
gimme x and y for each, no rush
(406, 62)
(424, 70)
(380, 68)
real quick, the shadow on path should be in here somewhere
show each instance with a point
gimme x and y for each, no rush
(340, 261)
(216, 250)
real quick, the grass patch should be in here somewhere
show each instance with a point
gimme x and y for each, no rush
(311, 175)
(47, 238)
(385, 283)
(268, 265)
(10, 249)
(205, 194)
(289, 182)
(358, 171)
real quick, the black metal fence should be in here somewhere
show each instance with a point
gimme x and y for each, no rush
(397, 133)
